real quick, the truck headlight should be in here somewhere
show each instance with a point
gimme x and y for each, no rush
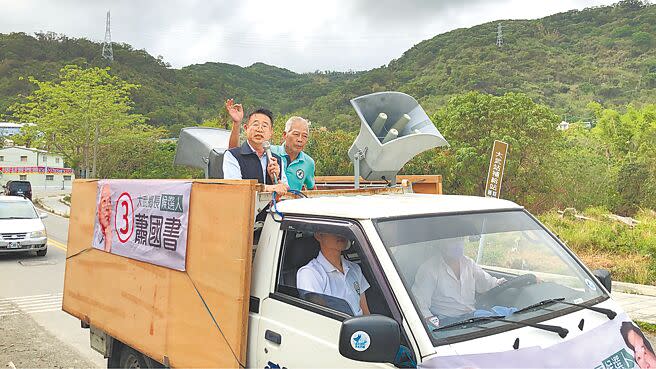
(38, 234)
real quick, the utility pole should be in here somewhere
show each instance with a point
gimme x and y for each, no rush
(499, 35)
(107, 51)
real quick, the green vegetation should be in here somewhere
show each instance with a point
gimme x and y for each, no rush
(85, 115)
(603, 243)
(646, 327)
(563, 61)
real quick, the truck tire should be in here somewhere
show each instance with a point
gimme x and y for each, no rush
(124, 356)
(42, 252)
(130, 358)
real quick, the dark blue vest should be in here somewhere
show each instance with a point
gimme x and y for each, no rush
(249, 163)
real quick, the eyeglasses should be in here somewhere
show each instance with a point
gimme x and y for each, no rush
(262, 125)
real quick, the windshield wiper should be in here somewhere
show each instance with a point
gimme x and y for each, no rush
(562, 332)
(16, 218)
(561, 300)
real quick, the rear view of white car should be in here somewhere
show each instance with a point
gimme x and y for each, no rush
(21, 228)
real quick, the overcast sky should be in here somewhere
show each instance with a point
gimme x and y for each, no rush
(300, 35)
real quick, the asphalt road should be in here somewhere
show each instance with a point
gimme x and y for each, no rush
(34, 331)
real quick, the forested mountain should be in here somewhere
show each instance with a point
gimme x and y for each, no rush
(603, 54)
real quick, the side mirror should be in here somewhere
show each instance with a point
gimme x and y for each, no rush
(373, 338)
(43, 215)
(604, 277)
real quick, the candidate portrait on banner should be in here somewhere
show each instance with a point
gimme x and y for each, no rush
(102, 235)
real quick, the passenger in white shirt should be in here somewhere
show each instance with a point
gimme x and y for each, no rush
(331, 274)
(446, 284)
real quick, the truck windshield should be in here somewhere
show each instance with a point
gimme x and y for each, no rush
(458, 267)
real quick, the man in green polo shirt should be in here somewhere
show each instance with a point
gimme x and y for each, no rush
(299, 166)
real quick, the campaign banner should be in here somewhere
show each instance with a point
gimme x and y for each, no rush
(143, 220)
(36, 170)
(616, 344)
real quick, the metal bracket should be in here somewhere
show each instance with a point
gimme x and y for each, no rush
(359, 155)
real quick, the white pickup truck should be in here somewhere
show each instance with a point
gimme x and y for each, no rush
(559, 307)
(518, 297)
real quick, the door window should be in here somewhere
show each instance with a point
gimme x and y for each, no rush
(310, 272)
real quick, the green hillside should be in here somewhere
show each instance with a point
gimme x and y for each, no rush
(566, 60)
(604, 54)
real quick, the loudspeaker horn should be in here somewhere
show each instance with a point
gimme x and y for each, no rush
(375, 160)
(203, 148)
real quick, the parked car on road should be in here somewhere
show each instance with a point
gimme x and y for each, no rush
(21, 227)
(19, 188)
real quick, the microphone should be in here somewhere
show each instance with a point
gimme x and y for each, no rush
(267, 148)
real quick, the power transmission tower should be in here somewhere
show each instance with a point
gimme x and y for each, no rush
(499, 36)
(107, 51)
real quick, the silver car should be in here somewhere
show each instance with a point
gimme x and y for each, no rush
(21, 228)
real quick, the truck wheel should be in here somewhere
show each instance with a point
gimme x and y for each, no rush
(129, 358)
(42, 252)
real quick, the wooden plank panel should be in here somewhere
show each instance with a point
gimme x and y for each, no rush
(429, 184)
(157, 310)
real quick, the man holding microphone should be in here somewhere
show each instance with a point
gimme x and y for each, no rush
(250, 160)
(298, 166)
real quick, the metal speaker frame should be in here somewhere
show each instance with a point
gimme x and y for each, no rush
(203, 148)
(381, 155)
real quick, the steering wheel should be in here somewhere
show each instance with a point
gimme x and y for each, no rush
(486, 299)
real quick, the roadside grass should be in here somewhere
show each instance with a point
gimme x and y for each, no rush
(629, 253)
(646, 327)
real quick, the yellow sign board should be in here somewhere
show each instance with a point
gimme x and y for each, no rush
(495, 172)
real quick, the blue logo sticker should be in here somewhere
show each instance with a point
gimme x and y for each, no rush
(360, 341)
(590, 284)
(300, 174)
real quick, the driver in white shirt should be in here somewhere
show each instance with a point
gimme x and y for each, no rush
(446, 284)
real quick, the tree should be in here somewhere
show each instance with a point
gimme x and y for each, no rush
(471, 122)
(626, 143)
(330, 151)
(86, 116)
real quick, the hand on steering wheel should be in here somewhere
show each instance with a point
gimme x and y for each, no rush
(516, 282)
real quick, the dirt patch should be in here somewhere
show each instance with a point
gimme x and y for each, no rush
(25, 344)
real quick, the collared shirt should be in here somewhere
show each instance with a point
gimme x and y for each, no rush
(320, 276)
(231, 169)
(439, 292)
(300, 171)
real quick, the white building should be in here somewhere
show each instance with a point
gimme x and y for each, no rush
(46, 171)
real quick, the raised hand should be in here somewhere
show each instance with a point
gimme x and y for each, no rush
(236, 111)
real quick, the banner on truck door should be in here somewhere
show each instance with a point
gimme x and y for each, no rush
(616, 344)
(143, 220)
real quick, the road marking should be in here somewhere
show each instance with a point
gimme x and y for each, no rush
(57, 244)
(30, 304)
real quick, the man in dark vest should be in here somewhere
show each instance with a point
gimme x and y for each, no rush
(249, 161)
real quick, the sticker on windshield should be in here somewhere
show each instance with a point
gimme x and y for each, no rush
(360, 341)
(590, 284)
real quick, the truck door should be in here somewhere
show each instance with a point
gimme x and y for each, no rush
(299, 328)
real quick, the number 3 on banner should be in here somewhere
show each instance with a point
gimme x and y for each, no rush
(124, 217)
